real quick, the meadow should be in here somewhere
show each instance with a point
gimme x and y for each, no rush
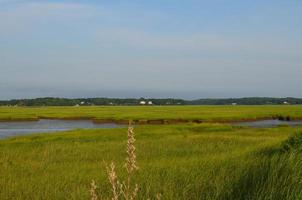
(160, 113)
(179, 161)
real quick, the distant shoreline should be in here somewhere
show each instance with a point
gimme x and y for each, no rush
(154, 114)
(51, 101)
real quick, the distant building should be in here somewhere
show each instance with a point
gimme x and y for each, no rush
(234, 104)
(82, 102)
(150, 103)
(142, 102)
(285, 103)
(77, 105)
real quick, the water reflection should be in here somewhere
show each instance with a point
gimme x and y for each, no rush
(268, 123)
(46, 125)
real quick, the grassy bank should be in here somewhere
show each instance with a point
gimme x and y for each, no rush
(158, 114)
(208, 161)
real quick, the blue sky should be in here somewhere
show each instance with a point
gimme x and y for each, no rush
(171, 48)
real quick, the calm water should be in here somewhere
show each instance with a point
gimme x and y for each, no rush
(268, 123)
(21, 128)
(45, 125)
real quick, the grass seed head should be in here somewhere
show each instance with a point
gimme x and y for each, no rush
(92, 190)
(131, 155)
(113, 181)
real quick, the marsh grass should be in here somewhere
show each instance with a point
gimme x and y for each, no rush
(276, 175)
(122, 189)
(205, 161)
(144, 113)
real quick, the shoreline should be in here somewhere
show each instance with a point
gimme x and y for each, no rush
(154, 121)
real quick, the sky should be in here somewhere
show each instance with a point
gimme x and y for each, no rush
(140, 48)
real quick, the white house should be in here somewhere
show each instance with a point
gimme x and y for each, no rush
(150, 103)
(142, 103)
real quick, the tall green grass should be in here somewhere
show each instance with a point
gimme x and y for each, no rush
(208, 161)
(273, 174)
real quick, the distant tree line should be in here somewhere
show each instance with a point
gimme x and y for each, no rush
(248, 101)
(49, 101)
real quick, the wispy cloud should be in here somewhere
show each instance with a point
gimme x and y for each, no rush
(101, 45)
(22, 16)
(200, 42)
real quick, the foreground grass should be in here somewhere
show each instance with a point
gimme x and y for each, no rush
(191, 113)
(208, 161)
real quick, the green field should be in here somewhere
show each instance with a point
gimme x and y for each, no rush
(180, 161)
(115, 113)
